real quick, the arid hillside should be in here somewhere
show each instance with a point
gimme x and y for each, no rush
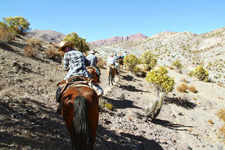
(30, 70)
(191, 50)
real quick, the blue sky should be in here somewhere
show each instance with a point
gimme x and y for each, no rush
(102, 19)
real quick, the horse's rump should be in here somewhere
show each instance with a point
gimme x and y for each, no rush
(80, 113)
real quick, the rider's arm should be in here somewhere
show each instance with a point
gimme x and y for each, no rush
(66, 62)
(86, 61)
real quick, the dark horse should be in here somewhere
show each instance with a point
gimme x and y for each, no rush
(79, 104)
(80, 113)
(120, 62)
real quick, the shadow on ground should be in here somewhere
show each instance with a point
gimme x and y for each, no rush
(108, 140)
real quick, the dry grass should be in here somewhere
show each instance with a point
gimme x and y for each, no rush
(34, 42)
(184, 80)
(221, 133)
(51, 53)
(29, 51)
(182, 88)
(6, 35)
(221, 114)
(171, 67)
(192, 89)
(221, 85)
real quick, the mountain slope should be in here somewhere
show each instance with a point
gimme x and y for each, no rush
(49, 36)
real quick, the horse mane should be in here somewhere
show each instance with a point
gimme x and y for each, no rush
(82, 135)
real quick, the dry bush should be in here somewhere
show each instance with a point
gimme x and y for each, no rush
(6, 35)
(192, 89)
(171, 67)
(34, 42)
(221, 114)
(51, 53)
(182, 88)
(55, 45)
(184, 80)
(221, 85)
(210, 121)
(222, 133)
(101, 63)
(29, 51)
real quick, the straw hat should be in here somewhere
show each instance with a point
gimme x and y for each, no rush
(65, 44)
(93, 52)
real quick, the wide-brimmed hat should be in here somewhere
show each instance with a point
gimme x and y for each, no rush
(65, 44)
(93, 51)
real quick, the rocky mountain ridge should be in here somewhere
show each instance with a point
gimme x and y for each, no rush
(116, 39)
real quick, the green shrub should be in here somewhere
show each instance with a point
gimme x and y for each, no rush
(79, 42)
(130, 61)
(19, 25)
(177, 64)
(149, 60)
(160, 79)
(200, 73)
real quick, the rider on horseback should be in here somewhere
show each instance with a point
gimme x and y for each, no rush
(74, 63)
(93, 61)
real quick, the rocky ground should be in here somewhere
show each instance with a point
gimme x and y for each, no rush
(28, 119)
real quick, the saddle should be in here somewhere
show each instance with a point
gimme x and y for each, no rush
(74, 81)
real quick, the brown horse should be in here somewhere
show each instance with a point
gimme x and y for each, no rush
(80, 113)
(79, 104)
(121, 62)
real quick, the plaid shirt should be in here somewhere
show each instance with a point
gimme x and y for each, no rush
(75, 61)
(93, 60)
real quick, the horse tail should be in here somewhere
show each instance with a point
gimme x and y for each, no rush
(82, 136)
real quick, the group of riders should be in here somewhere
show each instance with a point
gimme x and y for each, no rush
(75, 63)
